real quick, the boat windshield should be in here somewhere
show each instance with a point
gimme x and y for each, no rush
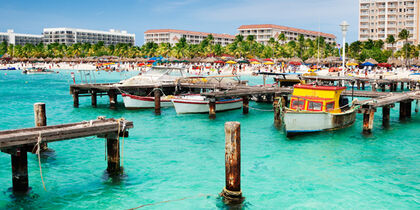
(166, 71)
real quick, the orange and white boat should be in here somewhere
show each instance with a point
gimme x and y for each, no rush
(145, 102)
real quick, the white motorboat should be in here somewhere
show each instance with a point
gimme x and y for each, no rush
(158, 75)
(200, 104)
(145, 102)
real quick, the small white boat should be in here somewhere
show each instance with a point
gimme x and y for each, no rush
(145, 102)
(38, 71)
(199, 104)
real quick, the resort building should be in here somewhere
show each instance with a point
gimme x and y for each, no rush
(11, 37)
(70, 36)
(380, 18)
(172, 36)
(263, 33)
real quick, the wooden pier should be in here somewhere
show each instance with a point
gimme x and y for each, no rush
(20, 141)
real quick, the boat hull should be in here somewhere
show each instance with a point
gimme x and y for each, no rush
(142, 102)
(183, 106)
(307, 122)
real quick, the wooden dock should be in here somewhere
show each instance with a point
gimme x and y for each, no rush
(18, 142)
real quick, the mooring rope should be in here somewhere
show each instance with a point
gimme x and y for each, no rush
(38, 152)
(167, 201)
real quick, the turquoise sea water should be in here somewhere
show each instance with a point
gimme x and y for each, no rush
(172, 156)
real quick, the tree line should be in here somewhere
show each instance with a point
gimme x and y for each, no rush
(241, 47)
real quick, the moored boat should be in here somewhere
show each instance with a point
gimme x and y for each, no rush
(199, 104)
(144, 102)
(317, 108)
(38, 71)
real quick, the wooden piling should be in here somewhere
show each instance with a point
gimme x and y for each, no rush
(402, 86)
(385, 115)
(417, 106)
(93, 98)
(363, 85)
(156, 93)
(402, 110)
(408, 108)
(76, 99)
(245, 105)
(383, 87)
(232, 193)
(277, 111)
(358, 84)
(368, 116)
(373, 86)
(212, 108)
(20, 170)
(113, 153)
(112, 99)
(40, 120)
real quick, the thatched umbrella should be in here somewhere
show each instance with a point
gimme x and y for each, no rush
(311, 60)
(296, 59)
(278, 60)
(48, 59)
(209, 60)
(371, 60)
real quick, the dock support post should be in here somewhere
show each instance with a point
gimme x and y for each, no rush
(112, 99)
(408, 109)
(417, 106)
(156, 93)
(385, 115)
(232, 193)
(264, 80)
(93, 98)
(40, 120)
(363, 85)
(245, 101)
(113, 153)
(277, 111)
(403, 110)
(20, 170)
(373, 87)
(212, 108)
(368, 116)
(383, 87)
(76, 99)
(358, 84)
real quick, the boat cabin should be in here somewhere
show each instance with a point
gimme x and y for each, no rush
(315, 98)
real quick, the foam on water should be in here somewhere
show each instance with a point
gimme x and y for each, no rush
(175, 156)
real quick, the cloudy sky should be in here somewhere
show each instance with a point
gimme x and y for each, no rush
(216, 16)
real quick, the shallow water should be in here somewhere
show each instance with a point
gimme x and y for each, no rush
(172, 156)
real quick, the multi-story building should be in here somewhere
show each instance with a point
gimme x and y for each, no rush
(263, 33)
(380, 18)
(70, 36)
(11, 37)
(172, 36)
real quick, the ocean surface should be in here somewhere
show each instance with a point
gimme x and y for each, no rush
(174, 157)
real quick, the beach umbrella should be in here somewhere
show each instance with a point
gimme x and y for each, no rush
(151, 61)
(372, 61)
(210, 60)
(352, 64)
(311, 61)
(255, 62)
(268, 60)
(219, 61)
(295, 63)
(296, 60)
(231, 62)
(386, 65)
(269, 63)
(367, 64)
(243, 61)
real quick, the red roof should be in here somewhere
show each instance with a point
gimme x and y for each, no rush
(315, 87)
(285, 28)
(189, 33)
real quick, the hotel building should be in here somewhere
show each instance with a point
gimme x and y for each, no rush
(380, 18)
(11, 37)
(172, 36)
(70, 36)
(263, 33)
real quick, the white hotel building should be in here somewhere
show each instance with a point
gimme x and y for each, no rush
(263, 33)
(380, 18)
(70, 36)
(11, 37)
(172, 36)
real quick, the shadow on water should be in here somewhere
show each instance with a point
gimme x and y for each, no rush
(114, 179)
(221, 204)
(21, 199)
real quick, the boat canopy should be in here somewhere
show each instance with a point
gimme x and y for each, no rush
(316, 98)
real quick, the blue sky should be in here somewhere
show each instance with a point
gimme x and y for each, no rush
(216, 16)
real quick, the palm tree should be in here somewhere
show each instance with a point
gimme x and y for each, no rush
(404, 35)
(391, 40)
(282, 38)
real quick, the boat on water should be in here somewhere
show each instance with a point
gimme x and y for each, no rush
(316, 108)
(189, 104)
(38, 71)
(145, 102)
(157, 75)
(8, 69)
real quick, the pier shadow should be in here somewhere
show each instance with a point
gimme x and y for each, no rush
(114, 179)
(221, 203)
(22, 199)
